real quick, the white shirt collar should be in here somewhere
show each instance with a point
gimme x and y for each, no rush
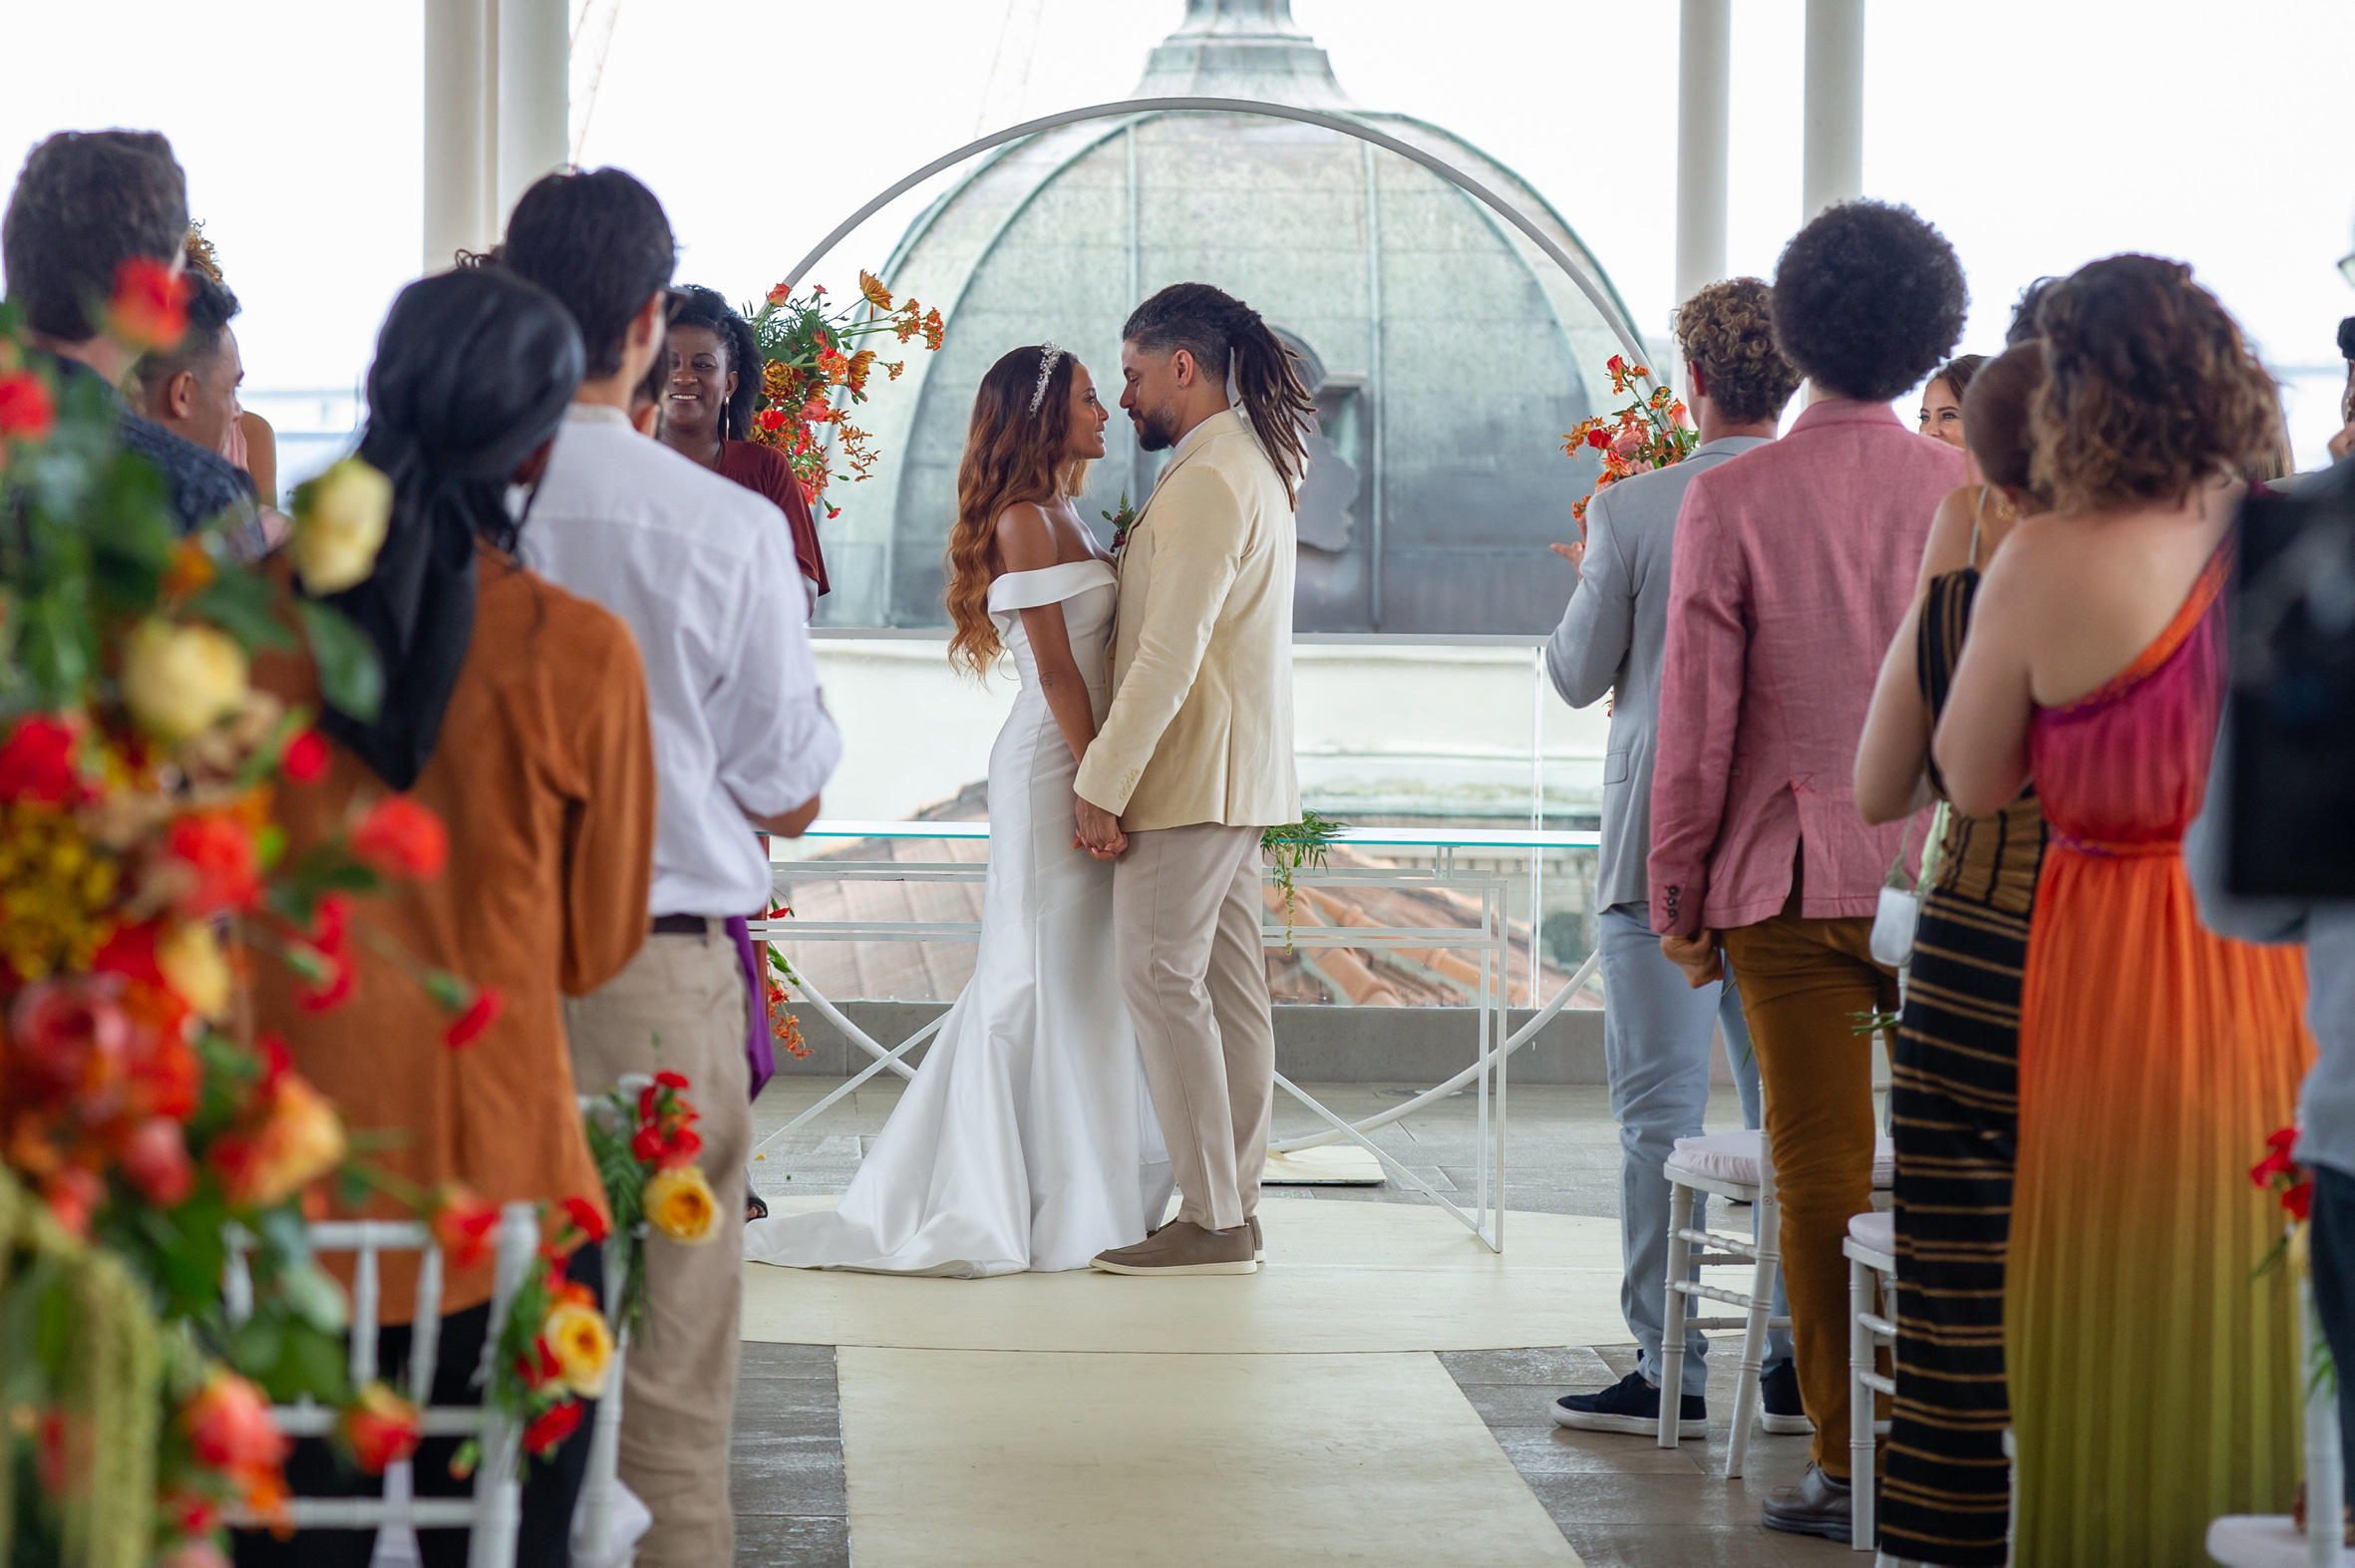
(595, 414)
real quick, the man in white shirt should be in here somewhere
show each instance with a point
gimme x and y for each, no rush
(703, 570)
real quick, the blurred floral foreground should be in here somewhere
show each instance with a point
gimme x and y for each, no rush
(143, 1123)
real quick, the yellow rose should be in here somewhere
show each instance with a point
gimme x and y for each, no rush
(339, 525)
(192, 964)
(583, 1347)
(300, 1139)
(180, 681)
(679, 1203)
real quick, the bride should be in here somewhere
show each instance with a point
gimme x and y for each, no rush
(1027, 1139)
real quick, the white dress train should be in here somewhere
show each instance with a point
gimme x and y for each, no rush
(1027, 1139)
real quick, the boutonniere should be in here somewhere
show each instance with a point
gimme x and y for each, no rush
(1122, 520)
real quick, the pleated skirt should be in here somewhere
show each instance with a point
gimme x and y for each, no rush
(2153, 1376)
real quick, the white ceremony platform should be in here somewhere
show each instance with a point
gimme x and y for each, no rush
(1296, 1414)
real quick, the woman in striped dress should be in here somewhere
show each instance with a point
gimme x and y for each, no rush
(1946, 1487)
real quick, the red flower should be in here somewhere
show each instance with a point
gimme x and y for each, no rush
(1599, 439)
(217, 853)
(464, 1225)
(380, 1429)
(37, 759)
(2299, 1201)
(155, 1159)
(544, 1435)
(669, 1080)
(151, 305)
(305, 758)
(230, 1427)
(585, 1218)
(400, 838)
(70, 1037)
(27, 409)
(2261, 1173)
(538, 1367)
(471, 1025)
(73, 1195)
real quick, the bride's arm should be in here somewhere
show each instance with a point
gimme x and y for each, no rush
(1060, 680)
(1027, 543)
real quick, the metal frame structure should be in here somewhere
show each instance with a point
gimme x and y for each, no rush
(1605, 303)
(1494, 1047)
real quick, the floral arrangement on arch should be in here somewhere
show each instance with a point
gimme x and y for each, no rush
(811, 367)
(141, 874)
(1651, 432)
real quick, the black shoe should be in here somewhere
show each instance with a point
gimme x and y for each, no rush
(1779, 1408)
(1631, 1406)
(1818, 1505)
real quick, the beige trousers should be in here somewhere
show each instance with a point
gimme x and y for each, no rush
(681, 1005)
(1186, 910)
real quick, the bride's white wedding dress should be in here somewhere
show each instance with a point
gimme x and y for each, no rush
(1027, 1139)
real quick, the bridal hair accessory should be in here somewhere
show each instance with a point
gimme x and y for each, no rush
(1049, 354)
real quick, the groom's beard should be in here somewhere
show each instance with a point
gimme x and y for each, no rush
(1156, 430)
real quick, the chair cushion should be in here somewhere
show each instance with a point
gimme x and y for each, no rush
(1733, 1156)
(1877, 1230)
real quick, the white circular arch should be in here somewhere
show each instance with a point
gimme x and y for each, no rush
(1505, 209)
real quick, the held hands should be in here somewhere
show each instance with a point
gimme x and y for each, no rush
(1697, 955)
(1098, 831)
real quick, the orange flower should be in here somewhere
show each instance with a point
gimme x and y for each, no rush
(230, 1428)
(191, 570)
(576, 1335)
(299, 1138)
(400, 838)
(934, 329)
(380, 1429)
(150, 309)
(214, 859)
(780, 294)
(464, 1225)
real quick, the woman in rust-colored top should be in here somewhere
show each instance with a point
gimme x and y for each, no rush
(517, 714)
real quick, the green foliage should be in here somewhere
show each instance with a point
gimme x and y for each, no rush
(1297, 847)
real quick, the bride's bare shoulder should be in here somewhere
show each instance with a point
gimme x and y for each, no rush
(1026, 537)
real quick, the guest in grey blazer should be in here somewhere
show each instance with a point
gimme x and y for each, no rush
(1656, 1027)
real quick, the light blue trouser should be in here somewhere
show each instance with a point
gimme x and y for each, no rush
(1656, 1036)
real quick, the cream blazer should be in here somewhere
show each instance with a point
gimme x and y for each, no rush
(1201, 725)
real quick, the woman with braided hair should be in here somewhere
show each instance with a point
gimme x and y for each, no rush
(707, 414)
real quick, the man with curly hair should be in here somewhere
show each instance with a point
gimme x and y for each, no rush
(1657, 1029)
(1794, 565)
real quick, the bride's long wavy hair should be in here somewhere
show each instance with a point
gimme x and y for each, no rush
(1011, 456)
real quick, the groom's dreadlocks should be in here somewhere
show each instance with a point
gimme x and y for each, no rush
(1219, 330)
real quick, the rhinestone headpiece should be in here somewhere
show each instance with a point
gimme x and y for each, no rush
(1049, 354)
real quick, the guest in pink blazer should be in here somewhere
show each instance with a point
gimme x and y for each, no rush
(1794, 564)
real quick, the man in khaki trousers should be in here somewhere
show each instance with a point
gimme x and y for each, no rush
(703, 572)
(1195, 758)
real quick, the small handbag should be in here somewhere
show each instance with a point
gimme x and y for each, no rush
(1900, 903)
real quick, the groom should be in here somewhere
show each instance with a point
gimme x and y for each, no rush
(1194, 757)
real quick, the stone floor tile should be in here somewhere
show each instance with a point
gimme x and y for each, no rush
(769, 1540)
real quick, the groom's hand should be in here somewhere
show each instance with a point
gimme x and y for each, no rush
(1099, 830)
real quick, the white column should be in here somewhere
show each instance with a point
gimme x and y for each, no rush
(535, 124)
(495, 114)
(1833, 147)
(1704, 87)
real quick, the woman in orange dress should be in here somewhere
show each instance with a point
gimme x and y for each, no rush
(2154, 1381)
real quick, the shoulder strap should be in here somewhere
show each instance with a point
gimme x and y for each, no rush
(1978, 518)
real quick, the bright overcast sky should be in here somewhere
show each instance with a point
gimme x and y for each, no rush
(2038, 133)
